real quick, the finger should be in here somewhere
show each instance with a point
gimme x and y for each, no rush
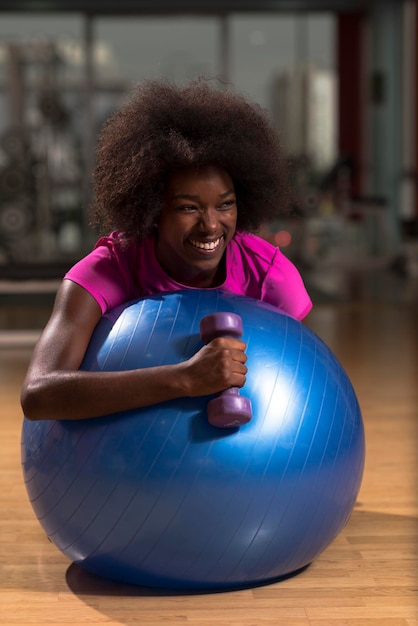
(228, 342)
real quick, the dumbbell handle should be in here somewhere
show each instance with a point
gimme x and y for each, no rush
(228, 409)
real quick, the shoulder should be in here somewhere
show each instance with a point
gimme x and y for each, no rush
(250, 245)
(115, 245)
(108, 271)
(126, 255)
(269, 275)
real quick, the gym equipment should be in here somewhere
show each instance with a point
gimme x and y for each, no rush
(229, 409)
(159, 497)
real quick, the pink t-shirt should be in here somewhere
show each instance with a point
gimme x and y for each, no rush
(113, 274)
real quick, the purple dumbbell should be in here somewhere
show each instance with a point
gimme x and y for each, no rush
(229, 409)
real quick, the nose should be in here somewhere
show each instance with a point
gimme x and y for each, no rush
(209, 220)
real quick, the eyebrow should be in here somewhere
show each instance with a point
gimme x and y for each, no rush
(197, 198)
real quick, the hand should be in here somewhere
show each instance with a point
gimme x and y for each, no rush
(217, 366)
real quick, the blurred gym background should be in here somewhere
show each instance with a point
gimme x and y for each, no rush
(339, 78)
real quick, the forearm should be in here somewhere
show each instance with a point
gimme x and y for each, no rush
(75, 395)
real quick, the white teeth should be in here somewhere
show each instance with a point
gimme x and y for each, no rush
(208, 245)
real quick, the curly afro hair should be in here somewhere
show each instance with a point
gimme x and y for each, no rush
(162, 127)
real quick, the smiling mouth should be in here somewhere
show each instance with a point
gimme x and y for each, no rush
(206, 245)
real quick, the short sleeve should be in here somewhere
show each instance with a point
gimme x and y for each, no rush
(105, 273)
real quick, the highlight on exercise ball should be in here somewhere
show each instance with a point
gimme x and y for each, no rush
(160, 497)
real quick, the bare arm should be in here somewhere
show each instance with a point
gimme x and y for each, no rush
(55, 388)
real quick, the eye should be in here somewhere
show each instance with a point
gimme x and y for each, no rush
(228, 204)
(186, 208)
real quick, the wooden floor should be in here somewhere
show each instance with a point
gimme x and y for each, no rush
(367, 577)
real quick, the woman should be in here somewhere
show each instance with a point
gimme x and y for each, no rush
(183, 176)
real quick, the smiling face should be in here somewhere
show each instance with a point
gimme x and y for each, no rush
(197, 221)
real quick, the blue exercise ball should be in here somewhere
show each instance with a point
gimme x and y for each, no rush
(159, 497)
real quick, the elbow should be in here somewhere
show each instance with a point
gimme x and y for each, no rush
(31, 402)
